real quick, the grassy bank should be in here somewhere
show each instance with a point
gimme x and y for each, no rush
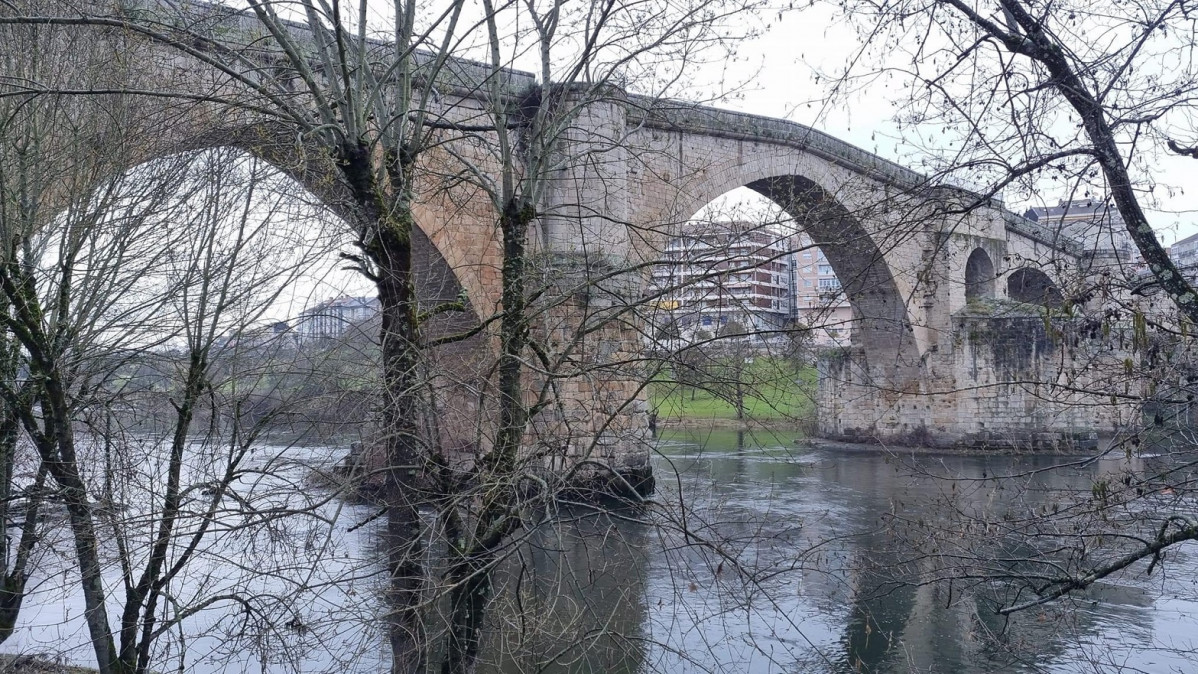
(775, 392)
(38, 664)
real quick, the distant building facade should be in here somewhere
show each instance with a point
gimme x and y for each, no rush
(819, 300)
(727, 276)
(722, 277)
(334, 318)
(1097, 225)
(1185, 255)
(274, 336)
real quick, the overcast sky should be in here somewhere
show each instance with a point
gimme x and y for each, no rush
(773, 75)
(779, 67)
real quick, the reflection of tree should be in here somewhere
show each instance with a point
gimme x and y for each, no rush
(826, 526)
(572, 598)
(903, 617)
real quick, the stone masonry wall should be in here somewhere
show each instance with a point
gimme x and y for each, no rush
(598, 414)
(1018, 382)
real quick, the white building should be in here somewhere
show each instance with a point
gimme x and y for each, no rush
(332, 319)
(1097, 225)
(1185, 254)
(724, 276)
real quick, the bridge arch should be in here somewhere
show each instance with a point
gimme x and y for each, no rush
(979, 275)
(1033, 286)
(453, 251)
(838, 210)
(454, 247)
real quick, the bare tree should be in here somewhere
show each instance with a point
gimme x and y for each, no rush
(383, 140)
(149, 272)
(43, 172)
(95, 280)
(1026, 98)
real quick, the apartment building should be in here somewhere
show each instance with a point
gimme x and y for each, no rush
(333, 318)
(819, 300)
(1185, 255)
(726, 276)
(1097, 225)
(721, 277)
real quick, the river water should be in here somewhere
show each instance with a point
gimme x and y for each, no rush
(817, 516)
(763, 555)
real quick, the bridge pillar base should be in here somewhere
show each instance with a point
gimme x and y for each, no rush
(595, 431)
(1006, 383)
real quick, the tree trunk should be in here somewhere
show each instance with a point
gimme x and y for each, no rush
(55, 443)
(12, 593)
(141, 601)
(1040, 46)
(65, 471)
(386, 230)
(471, 573)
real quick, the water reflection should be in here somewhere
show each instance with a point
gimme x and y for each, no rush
(821, 554)
(573, 597)
(762, 555)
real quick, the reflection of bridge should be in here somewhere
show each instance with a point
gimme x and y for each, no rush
(925, 364)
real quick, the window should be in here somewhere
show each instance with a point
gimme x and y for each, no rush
(829, 284)
(807, 255)
(826, 269)
(806, 283)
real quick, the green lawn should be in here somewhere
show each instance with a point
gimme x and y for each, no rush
(775, 391)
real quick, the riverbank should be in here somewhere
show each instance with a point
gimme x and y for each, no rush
(908, 450)
(803, 426)
(803, 442)
(761, 393)
(38, 664)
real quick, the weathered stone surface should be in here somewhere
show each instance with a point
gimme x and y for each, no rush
(629, 172)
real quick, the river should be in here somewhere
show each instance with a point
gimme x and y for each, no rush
(822, 512)
(763, 555)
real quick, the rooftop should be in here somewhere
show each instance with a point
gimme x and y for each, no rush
(1078, 208)
(1191, 240)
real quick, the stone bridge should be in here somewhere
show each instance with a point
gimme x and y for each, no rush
(925, 365)
(947, 349)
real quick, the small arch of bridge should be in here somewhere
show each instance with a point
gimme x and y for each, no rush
(1032, 286)
(979, 276)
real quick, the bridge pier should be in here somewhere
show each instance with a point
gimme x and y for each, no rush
(1013, 382)
(596, 429)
